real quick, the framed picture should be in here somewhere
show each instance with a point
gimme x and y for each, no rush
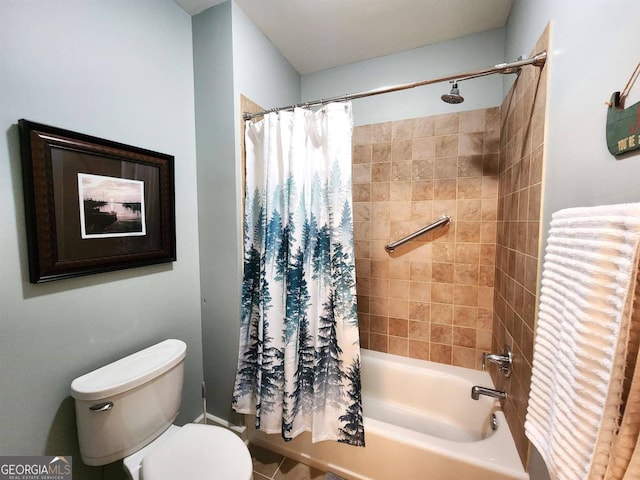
(93, 205)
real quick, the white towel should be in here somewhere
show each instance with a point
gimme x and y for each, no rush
(588, 280)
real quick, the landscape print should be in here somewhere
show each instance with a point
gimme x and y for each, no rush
(110, 206)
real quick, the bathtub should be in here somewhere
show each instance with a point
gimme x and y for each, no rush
(420, 423)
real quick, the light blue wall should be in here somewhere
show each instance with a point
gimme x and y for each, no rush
(592, 45)
(218, 219)
(445, 58)
(260, 72)
(121, 71)
(230, 58)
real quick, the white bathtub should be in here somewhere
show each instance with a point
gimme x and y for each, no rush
(420, 423)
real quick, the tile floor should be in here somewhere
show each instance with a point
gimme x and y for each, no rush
(268, 465)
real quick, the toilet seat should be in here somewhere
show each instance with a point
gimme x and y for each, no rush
(199, 452)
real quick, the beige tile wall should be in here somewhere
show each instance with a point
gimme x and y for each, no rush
(432, 298)
(518, 240)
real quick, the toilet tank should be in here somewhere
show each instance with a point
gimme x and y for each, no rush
(125, 405)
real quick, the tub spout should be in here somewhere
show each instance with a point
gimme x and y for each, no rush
(477, 390)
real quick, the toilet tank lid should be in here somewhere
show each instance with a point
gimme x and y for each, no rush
(129, 372)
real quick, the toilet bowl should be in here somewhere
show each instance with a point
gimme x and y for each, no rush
(194, 452)
(125, 410)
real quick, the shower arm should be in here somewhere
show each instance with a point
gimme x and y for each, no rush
(537, 60)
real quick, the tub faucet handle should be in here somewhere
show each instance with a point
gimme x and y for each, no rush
(504, 360)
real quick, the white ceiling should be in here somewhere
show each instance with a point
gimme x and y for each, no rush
(318, 34)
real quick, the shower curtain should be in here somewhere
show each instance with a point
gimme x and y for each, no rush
(299, 354)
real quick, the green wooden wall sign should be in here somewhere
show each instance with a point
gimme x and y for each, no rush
(623, 126)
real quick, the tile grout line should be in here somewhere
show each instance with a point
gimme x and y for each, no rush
(278, 469)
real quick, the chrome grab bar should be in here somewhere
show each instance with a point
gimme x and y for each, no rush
(441, 222)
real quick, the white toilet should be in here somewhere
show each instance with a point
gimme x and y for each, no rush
(125, 410)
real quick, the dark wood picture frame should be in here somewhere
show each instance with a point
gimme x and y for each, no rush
(94, 205)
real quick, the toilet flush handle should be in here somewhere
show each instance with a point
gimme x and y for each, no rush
(101, 407)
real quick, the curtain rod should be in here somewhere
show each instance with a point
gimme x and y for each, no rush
(537, 60)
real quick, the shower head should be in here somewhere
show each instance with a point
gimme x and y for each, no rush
(453, 96)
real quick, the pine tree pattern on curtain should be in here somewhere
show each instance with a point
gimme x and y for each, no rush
(299, 353)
